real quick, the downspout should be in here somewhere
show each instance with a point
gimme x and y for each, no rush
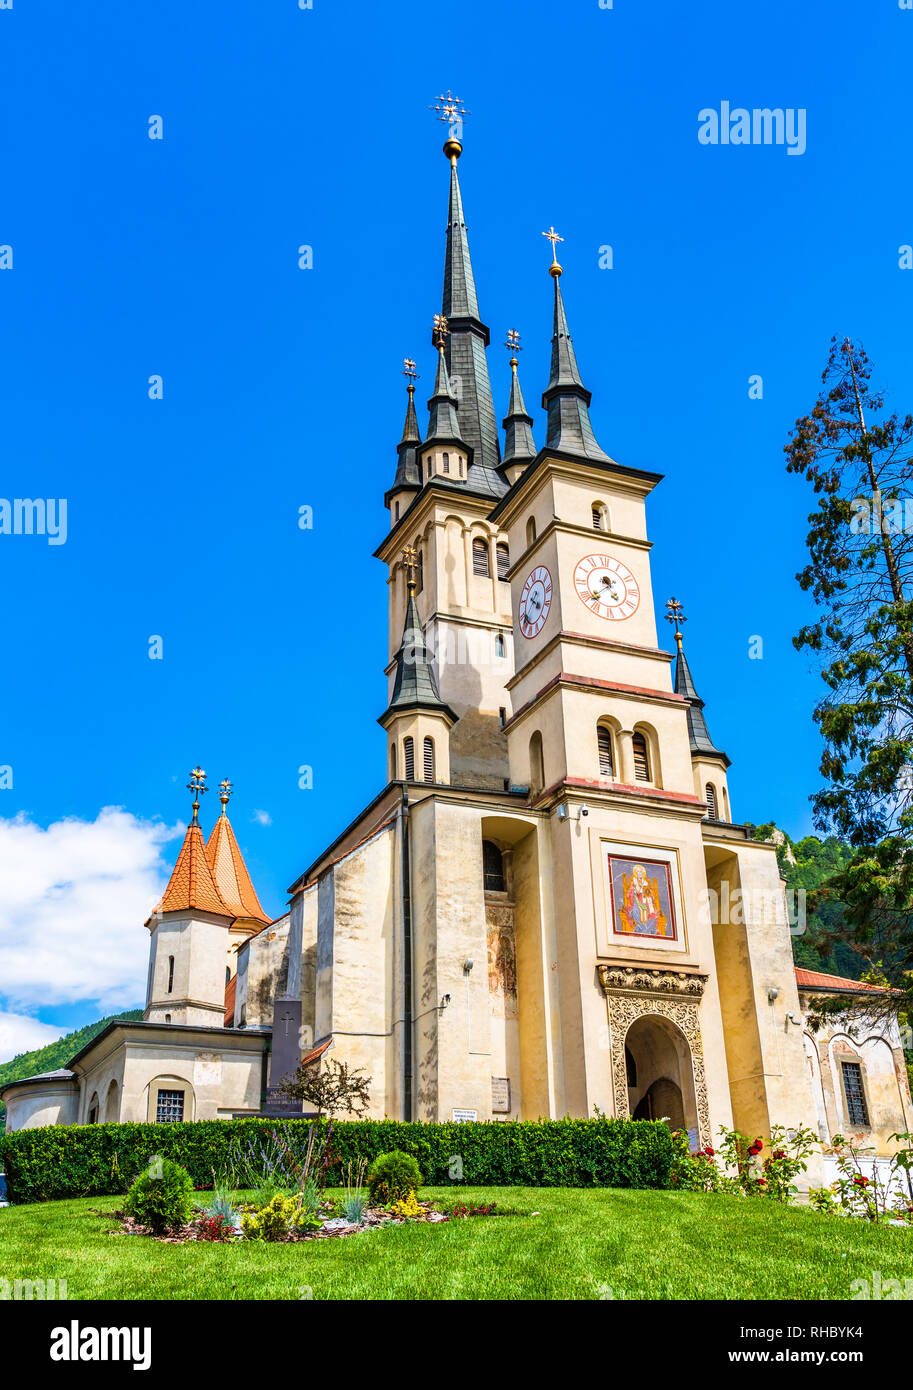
(407, 958)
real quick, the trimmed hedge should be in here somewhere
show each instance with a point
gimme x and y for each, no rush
(100, 1160)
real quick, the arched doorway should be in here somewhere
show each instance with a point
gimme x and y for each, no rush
(659, 1073)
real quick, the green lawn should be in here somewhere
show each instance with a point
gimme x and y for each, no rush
(642, 1245)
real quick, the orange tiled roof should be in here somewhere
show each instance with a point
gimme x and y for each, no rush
(191, 883)
(230, 990)
(229, 870)
(816, 979)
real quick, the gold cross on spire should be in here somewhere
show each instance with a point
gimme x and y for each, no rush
(450, 110)
(512, 342)
(410, 565)
(197, 785)
(676, 616)
(552, 236)
(440, 330)
(225, 790)
(409, 372)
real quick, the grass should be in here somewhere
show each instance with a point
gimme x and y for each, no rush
(641, 1245)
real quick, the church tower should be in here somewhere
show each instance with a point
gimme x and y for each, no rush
(231, 877)
(440, 503)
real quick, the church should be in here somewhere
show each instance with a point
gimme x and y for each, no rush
(550, 907)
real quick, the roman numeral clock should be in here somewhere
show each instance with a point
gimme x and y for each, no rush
(607, 587)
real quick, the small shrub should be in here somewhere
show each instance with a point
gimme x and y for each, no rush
(162, 1196)
(278, 1219)
(216, 1227)
(353, 1209)
(407, 1207)
(393, 1176)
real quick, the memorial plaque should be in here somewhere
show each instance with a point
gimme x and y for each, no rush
(500, 1095)
(462, 1117)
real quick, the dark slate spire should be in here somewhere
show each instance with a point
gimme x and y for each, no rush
(408, 469)
(414, 685)
(519, 445)
(443, 422)
(466, 344)
(698, 733)
(566, 398)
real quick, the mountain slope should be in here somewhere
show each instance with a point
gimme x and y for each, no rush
(56, 1054)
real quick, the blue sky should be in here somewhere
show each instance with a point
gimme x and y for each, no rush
(282, 387)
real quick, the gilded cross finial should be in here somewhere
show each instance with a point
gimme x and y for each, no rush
(225, 790)
(450, 110)
(512, 343)
(410, 565)
(676, 616)
(409, 373)
(552, 236)
(197, 785)
(440, 330)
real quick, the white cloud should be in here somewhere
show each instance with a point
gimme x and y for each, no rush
(262, 817)
(74, 900)
(19, 1033)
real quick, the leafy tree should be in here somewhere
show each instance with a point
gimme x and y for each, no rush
(331, 1089)
(857, 458)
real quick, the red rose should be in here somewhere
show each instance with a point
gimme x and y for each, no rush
(779, 1153)
(860, 1181)
(762, 1182)
(708, 1151)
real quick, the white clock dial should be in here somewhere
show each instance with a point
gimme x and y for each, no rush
(607, 587)
(535, 601)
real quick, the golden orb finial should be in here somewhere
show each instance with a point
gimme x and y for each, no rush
(552, 236)
(452, 149)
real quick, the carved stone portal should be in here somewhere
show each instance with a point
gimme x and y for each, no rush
(673, 995)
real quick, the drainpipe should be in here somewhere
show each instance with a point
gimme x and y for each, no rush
(407, 958)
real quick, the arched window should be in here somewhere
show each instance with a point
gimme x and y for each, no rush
(170, 973)
(600, 517)
(429, 465)
(492, 868)
(531, 530)
(641, 758)
(604, 738)
(93, 1109)
(503, 553)
(711, 801)
(446, 463)
(429, 759)
(168, 1018)
(409, 759)
(392, 762)
(480, 561)
(396, 511)
(536, 763)
(420, 577)
(499, 644)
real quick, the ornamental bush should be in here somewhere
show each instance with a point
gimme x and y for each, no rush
(161, 1197)
(393, 1176)
(99, 1160)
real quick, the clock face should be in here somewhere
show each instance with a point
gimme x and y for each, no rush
(535, 601)
(607, 587)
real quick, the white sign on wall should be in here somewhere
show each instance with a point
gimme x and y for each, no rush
(462, 1117)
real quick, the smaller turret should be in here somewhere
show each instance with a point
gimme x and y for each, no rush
(520, 447)
(709, 763)
(444, 454)
(408, 479)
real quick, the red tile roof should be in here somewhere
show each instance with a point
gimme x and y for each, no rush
(837, 984)
(223, 854)
(191, 884)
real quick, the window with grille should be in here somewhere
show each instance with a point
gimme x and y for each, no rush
(856, 1109)
(503, 554)
(492, 868)
(429, 759)
(446, 463)
(480, 561)
(170, 973)
(169, 1107)
(606, 766)
(641, 758)
(711, 801)
(409, 759)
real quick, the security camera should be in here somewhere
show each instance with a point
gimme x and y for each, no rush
(772, 994)
(584, 810)
(445, 1001)
(467, 966)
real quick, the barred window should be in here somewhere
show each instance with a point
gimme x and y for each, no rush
(641, 758)
(429, 759)
(503, 554)
(409, 759)
(480, 561)
(600, 517)
(606, 766)
(446, 463)
(169, 1107)
(856, 1109)
(710, 794)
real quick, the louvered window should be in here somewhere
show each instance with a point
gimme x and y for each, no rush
(606, 767)
(856, 1109)
(641, 758)
(429, 759)
(446, 463)
(503, 554)
(598, 517)
(409, 759)
(480, 561)
(711, 801)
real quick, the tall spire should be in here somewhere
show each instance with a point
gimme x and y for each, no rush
(408, 469)
(443, 420)
(520, 447)
(566, 398)
(191, 886)
(414, 684)
(698, 733)
(229, 871)
(465, 350)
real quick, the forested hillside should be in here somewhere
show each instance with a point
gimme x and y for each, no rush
(56, 1054)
